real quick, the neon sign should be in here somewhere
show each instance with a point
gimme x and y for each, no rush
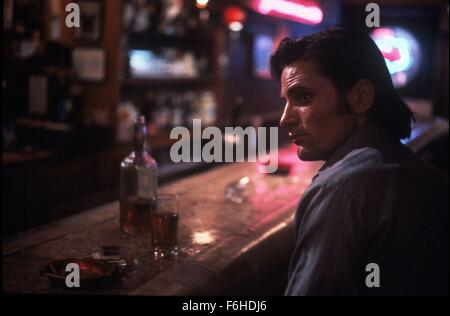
(401, 53)
(298, 11)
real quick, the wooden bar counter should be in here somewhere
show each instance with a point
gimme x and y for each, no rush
(226, 248)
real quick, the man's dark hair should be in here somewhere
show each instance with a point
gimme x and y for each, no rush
(345, 57)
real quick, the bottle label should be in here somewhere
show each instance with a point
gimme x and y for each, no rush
(146, 183)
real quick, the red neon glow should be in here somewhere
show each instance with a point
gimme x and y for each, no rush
(234, 14)
(298, 11)
(392, 55)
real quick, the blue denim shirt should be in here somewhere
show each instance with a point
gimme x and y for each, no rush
(373, 201)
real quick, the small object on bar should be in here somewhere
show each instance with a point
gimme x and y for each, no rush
(111, 254)
(239, 191)
(91, 271)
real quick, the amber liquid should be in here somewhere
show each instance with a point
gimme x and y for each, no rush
(164, 226)
(135, 215)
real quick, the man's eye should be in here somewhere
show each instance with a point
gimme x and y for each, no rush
(303, 98)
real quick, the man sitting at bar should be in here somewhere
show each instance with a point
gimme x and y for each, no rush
(373, 201)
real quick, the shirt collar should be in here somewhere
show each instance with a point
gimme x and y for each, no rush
(368, 135)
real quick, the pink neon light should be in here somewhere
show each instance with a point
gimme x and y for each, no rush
(393, 55)
(308, 14)
(383, 32)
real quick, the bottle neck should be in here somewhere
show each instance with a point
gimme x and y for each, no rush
(140, 138)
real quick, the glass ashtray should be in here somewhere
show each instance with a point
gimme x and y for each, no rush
(92, 271)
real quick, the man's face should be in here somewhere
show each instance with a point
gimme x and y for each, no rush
(313, 112)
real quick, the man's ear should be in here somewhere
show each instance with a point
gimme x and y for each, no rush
(361, 96)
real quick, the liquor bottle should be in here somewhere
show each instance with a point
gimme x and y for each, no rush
(138, 183)
(177, 111)
(208, 107)
(191, 106)
(173, 20)
(162, 113)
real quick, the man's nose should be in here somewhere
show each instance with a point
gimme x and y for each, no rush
(289, 117)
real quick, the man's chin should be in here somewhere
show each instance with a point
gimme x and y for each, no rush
(307, 155)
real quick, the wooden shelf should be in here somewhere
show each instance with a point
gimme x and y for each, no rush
(13, 157)
(166, 82)
(136, 40)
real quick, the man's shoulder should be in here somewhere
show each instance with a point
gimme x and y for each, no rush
(356, 167)
(368, 169)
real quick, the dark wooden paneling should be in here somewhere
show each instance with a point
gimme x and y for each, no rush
(39, 192)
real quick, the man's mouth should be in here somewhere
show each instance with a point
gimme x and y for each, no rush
(297, 139)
